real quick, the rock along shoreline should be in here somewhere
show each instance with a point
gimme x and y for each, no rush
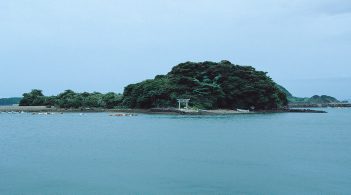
(172, 111)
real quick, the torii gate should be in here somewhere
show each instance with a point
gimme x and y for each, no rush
(180, 101)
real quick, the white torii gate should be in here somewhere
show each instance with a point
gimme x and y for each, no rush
(180, 101)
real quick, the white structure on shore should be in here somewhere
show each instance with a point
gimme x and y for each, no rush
(183, 101)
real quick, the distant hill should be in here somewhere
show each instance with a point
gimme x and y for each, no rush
(316, 99)
(323, 99)
(9, 101)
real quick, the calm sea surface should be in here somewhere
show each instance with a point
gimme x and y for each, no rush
(154, 154)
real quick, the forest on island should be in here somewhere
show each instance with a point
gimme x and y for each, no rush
(209, 85)
(71, 99)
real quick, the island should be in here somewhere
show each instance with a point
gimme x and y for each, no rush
(314, 101)
(189, 88)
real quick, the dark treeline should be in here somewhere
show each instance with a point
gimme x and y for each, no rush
(209, 85)
(71, 99)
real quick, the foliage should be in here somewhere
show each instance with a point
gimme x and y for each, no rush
(71, 99)
(209, 85)
(284, 90)
(34, 98)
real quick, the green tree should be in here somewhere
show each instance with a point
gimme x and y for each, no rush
(34, 98)
(111, 100)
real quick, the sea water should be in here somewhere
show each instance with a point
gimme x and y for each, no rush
(289, 153)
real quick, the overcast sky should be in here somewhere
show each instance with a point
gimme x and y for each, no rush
(103, 45)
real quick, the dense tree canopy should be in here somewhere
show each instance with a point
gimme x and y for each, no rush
(34, 98)
(71, 99)
(209, 85)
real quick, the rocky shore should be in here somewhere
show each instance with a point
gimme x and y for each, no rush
(309, 105)
(150, 111)
(227, 112)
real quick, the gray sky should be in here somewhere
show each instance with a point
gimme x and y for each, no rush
(103, 45)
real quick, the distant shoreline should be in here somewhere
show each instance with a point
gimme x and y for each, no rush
(169, 111)
(322, 105)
